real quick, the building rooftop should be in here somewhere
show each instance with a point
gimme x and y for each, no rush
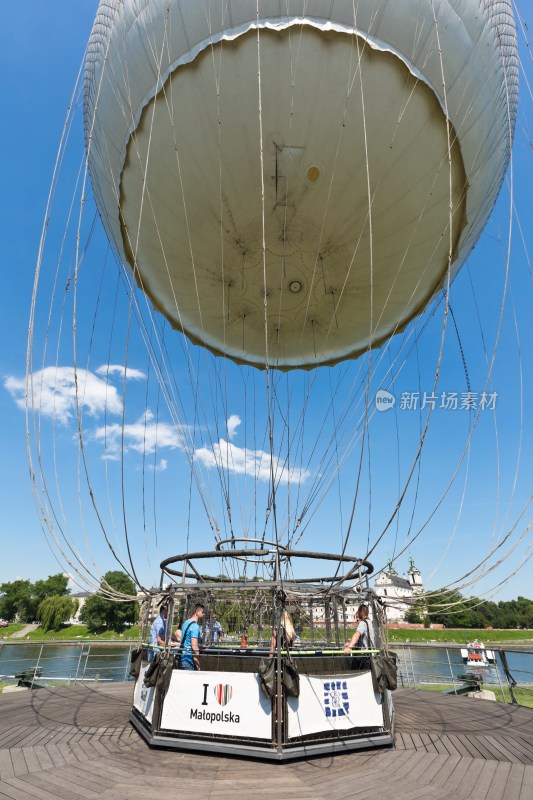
(394, 580)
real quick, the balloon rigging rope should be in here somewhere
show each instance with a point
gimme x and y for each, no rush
(366, 431)
(358, 70)
(81, 447)
(272, 506)
(144, 456)
(420, 215)
(130, 311)
(461, 582)
(285, 466)
(467, 445)
(183, 427)
(318, 250)
(403, 260)
(398, 465)
(290, 438)
(446, 305)
(437, 371)
(85, 373)
(448, 277)
(109, 356)
(68, 542)
(122, 447)
(46, 522)
(225, 286)
(521, 395)
(490, 366)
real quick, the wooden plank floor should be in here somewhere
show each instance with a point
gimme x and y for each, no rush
(76, 743)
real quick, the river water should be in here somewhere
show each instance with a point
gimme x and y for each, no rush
(439, 664)
(67, 661)
(110, 663)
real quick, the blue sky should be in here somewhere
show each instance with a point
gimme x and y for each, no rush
(163, 513)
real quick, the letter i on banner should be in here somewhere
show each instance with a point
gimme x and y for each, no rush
(206, 687)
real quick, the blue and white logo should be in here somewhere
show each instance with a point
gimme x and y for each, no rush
(336, 702)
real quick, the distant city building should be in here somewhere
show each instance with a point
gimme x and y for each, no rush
(319, 613)
(399, 593)
(81, 597)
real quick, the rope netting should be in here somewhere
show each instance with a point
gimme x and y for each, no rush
(142, 442)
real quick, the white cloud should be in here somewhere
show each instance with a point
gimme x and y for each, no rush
(161, 467)
(142, 436)
(233, 423)
(118, 369)
(54, 393)
(255, 463)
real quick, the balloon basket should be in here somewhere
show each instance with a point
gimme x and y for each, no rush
(265, 699)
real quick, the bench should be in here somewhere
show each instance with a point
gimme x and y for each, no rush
(28, 676)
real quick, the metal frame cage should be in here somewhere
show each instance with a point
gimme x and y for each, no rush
(254, 694)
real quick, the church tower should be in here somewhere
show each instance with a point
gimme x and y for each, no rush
(415, 579)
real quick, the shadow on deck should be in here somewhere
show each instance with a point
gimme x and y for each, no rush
(76, 742)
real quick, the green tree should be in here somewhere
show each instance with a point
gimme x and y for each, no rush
(55, 610)
(99, 611)
(53, 586)
(22, 598)
(16, 599)
(451, 609)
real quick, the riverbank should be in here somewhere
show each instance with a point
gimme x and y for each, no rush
(460, 636)
(434, 638)
(524, 697)
(70, 634)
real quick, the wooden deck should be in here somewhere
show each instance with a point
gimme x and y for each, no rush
(76, 743)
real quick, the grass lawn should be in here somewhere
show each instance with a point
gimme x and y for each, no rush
(13, 627)
(82, 632)
(524, 697)
(460, 636)
(452, 636)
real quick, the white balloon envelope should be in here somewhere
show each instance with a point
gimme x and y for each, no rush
(291, 183)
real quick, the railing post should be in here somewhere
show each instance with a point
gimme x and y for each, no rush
(412, 667)
(37, 666)
(78, 664)
(451, 671)
(511, 683)
(128, 663)
(86, 661)
(500, 679)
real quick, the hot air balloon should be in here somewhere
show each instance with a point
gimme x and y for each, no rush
(292, 183)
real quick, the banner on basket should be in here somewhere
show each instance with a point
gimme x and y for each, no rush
(339, 702)
(143, 696)
(227, 703)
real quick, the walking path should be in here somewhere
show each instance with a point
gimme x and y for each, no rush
(75, 743)
(24, 631)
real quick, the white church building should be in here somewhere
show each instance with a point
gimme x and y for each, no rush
(398, 593)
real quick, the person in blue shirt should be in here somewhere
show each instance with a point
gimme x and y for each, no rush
(190, 639)
(158, 632)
